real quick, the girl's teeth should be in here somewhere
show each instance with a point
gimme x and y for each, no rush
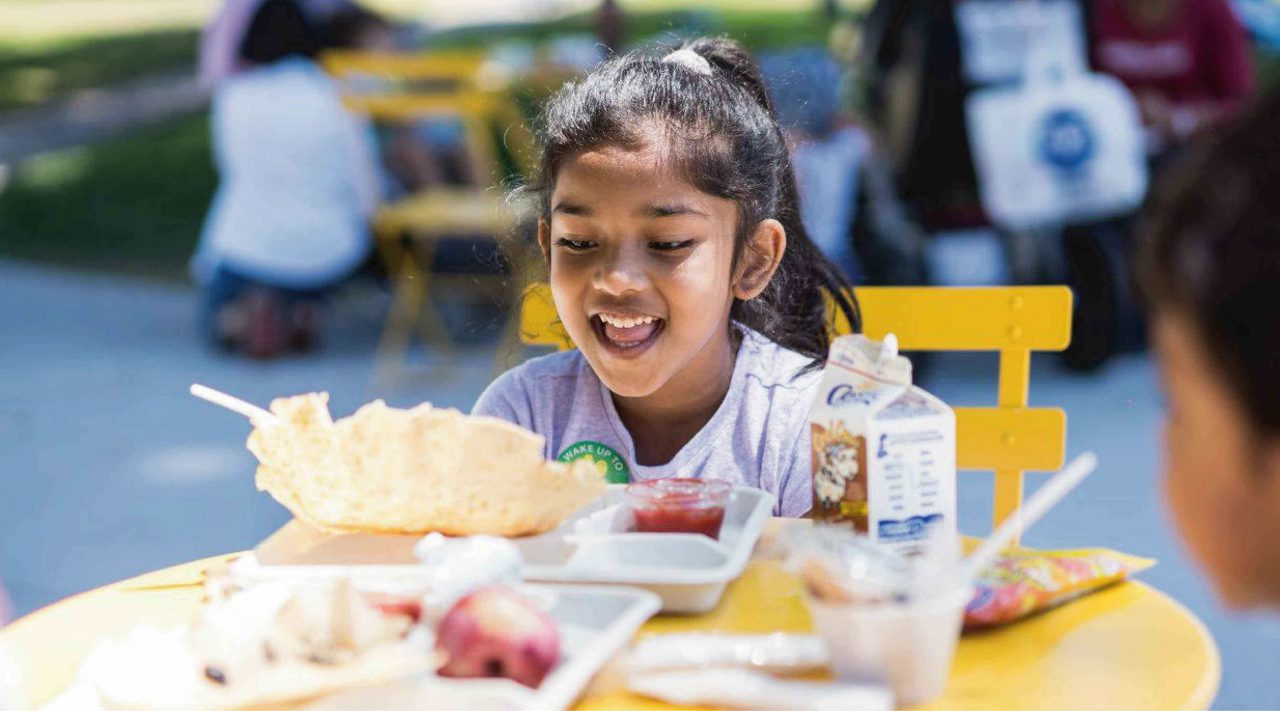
(627, 322)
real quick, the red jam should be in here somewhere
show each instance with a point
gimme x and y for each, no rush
(679, 506)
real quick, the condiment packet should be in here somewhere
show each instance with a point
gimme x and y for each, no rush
(775, 653)
(741, 689)
(458, 566)
(611, 519)
(1024, 581)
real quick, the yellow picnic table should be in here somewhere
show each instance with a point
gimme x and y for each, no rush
(1126, 647)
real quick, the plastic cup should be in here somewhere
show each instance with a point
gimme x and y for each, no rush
(679, 505)
(909, 646)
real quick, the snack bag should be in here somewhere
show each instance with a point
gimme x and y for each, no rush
(884, 451)
(1023, 581)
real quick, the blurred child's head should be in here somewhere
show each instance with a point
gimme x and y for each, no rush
(355, 28)
(278, 30)
(668, 209)
(1210, 268)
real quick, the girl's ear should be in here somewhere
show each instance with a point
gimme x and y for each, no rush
(544, 239)
(760, 259)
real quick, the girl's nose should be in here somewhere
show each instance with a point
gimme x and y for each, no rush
(622, 273)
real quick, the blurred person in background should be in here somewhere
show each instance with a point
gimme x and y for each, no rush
(826, 148)
(290, 220)
(221, 38)
(418, 154)
(1187, 62)
(847, 199)
(1188, 65)
(611, 27)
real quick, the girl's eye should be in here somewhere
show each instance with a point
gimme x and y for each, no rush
(575, 245)
(670, 246)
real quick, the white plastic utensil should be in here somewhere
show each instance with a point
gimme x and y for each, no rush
(1028, 514)
(255, 414)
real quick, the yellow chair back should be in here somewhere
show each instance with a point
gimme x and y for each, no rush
(462, 84)
(1008, 439)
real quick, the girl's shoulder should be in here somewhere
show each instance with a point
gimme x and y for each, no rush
(775, 366)
(544, 379)
(561, 364)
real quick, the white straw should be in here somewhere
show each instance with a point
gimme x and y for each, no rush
(1030, 512)
(235, 404)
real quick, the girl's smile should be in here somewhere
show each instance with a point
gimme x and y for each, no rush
(627, 335)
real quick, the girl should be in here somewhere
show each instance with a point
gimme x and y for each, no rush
(681, 270)
(1211, 271)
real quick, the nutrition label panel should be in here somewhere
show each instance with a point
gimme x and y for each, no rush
(913, 486)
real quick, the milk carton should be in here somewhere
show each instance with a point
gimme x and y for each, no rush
(884, 451)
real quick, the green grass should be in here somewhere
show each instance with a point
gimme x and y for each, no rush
(33, 73)
(134, 204)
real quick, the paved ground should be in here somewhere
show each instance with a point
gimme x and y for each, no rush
(111, 469)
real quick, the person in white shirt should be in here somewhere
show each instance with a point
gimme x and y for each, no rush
(299, 182)
(219, 56)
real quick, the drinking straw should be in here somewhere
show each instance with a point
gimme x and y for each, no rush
(1026, 516)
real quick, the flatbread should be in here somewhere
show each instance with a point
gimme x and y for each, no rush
(389, 470)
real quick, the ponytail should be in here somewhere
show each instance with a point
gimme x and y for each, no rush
(792, 311)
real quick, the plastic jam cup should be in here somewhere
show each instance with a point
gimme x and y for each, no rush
(679, 505)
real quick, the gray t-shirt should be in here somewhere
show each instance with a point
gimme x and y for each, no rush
(758, 437)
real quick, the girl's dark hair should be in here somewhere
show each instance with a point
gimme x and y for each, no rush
(1211, 250)
(717, 130)
(278, 30)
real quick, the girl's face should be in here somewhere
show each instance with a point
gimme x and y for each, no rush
(1221, 485)
(642, 271)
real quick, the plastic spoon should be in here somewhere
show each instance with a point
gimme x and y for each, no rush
(255, 414)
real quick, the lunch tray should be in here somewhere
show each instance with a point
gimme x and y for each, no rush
(689, 572)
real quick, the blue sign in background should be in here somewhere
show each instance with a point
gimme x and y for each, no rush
(1067, 140)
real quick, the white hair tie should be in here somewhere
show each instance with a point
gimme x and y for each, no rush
(689, 59)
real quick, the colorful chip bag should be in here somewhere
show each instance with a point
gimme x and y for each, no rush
(1024, 581)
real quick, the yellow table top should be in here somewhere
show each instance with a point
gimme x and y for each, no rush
(1127, 647)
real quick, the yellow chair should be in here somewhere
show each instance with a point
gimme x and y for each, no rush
(459, 85)
(1009, 439)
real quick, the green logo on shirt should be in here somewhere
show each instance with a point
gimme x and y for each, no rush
(609, 462)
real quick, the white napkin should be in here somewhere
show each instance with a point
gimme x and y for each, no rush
(775, 653)
(458, 566)
(741, 689)
(618, 518)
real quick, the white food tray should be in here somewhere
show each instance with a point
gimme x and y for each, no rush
(594, 622)
(688, 571)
